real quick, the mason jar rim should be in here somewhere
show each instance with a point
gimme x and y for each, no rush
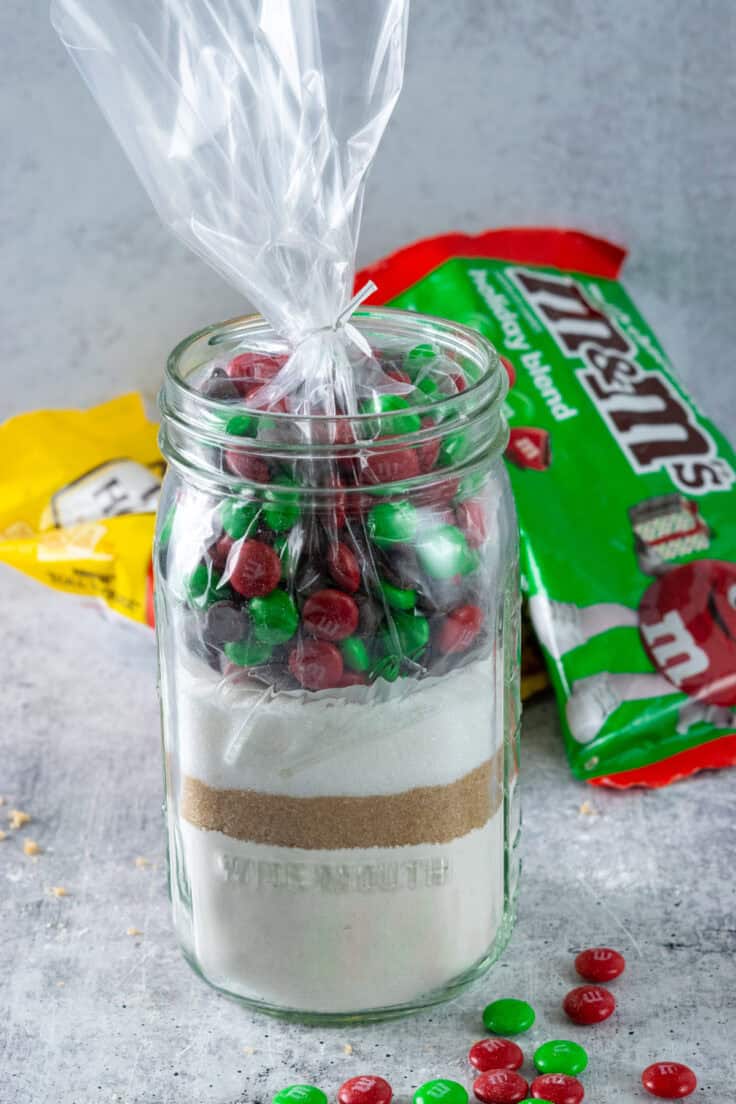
(186, 408)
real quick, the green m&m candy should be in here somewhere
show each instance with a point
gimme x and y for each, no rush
(274, 617)
(413, 632)
(396, 597)
(419, 356)
(386, 668)
(441, 1091)
(454, 449)
(281, 548)
(392, 404)
(282, 510)
(203, 587)
(443, 552)
(248, 653)
(300, 1094)
(560, 1056)
(238, 518)
(392, 523)
(508, 1016)
(355, 654)
(427, 388)
(242, 425)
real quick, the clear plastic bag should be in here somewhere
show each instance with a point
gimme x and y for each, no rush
(252, 126)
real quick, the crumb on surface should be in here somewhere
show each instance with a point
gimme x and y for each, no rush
(3, 835)
(249, 1050)
(133, 931)
(347, 1049)
(18, 818)
(60, 984)
(588, 809)
(59, 891)
(141, 862)
(30, 847)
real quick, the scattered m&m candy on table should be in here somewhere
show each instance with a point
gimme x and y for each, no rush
(560, 1056)
(669, 1080)
(491, 1054)
(300, 1094)
(500, 1086)
(508, 1016)
(600, 964)
(365, 1090)
(441, 1091)
(589, 1004)
(557, 1088)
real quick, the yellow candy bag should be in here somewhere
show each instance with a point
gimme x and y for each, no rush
(78, 495)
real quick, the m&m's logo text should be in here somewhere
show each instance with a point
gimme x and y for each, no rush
(648, 418)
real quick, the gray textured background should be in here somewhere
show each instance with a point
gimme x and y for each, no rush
(618, 118)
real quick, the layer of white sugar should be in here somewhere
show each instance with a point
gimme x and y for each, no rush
(340, 931)
(385, 739)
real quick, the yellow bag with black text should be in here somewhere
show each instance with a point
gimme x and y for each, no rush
(78, 495)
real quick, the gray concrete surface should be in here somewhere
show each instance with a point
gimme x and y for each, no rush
(91, 1014)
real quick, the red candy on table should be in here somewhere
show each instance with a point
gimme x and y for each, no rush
(589, 1004)
(472, 521)
(491, 1054)
(669, 1080)
(459, 629)
(600, 964)
(343, 567)
(500, 1086)
(365, 1090)
(255, 570)
(316, 664)
(558, 1088)
(330, 615)
(246, 466)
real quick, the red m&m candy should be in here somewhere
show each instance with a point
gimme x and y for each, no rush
(669, 1080)
(365, 1090)
(600, 964)
(330, 615)
(255, 569)
(500, 1086)
(491, 1054)
(343, 567)
(390, 467)
(246, 466)
(316, 664)
(557, 1088)
(459, 629)
(589, 1004)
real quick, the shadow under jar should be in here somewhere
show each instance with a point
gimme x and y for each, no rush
(337, 612)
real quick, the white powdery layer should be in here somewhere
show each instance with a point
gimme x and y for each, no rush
(362, 741)
(341, 931)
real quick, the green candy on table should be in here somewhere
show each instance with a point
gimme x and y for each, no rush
(392, 523)
(399, 423)
(242, 425)
(248, 653)
(238, 518)
(282, 510)
(300, 1094)
(441, 1091)
(203, 587)
(444, 552)
(396, 597)
(355, 654)
(274, 617)
(454, 449)
(508, 1016)
(561, 1056)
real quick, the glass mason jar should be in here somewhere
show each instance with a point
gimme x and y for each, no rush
(337, 611)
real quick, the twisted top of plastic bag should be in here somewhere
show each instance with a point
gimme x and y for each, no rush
(252, 124)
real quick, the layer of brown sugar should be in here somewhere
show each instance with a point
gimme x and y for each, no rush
(428, 814)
